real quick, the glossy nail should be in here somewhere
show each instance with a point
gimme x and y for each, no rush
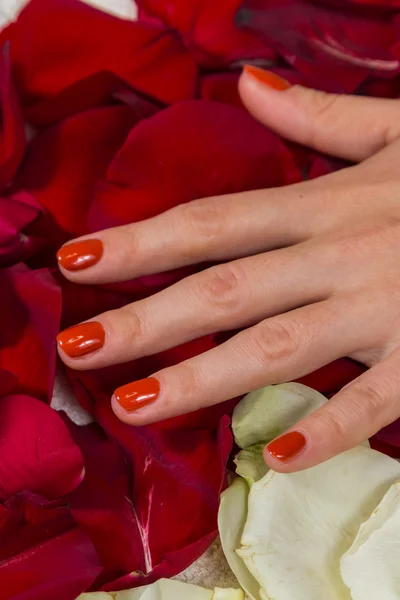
(82, 339)
(138, 394)
(267, 78)
(287, 446)
(80, 255)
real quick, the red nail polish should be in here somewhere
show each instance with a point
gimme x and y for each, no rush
(267, 78)
(82, 339)
(287, 446)
(138, 394)
(80, 255)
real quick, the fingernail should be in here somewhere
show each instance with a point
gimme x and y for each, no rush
(267, 78)
(138, 394)
(287, 446)
(80, 255)
(82, 339)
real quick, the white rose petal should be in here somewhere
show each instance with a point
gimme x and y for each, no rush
(228, 594)
(371, 567)
(266, 413)
(231, 519)
(250, 463)
(300, 524)
(166, 589)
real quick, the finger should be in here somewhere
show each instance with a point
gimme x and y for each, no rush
(209, 229)
(278, 349)
(350, 127)
(355, 414)
(225, 297)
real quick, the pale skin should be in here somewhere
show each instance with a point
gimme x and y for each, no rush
(311, 273)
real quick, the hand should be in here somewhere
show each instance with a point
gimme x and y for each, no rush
(312, 274)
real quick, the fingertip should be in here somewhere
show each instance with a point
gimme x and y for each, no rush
(79, 255)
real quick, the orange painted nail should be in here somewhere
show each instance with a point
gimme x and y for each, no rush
(267, 78)
(287, 446)
(138, 394)
(82, 339)
(80, 255)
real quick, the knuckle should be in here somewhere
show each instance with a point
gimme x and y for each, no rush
(132, 325)
(221, 285)
(203, 219)
(274, 341)
(364, 399)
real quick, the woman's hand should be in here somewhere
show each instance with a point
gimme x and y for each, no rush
(311, 271)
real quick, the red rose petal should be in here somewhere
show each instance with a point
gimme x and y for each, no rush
(64, 162)
(83, 42)
(31, 302)
(12, 131)
(42, 554)
(37, 452)
(207, 29)
(191, 150)
(16, 212)
(335, 49)
(178, 468)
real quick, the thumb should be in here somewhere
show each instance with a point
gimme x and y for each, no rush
(349, 127)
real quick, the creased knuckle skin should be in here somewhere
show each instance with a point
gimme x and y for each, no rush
(222, 288)
(274, 341)
(132, 326)
(203, 220)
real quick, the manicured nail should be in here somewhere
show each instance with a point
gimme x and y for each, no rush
(267, 78)
(138, 394)
(80, 255)
(82, 339)
(287, 446)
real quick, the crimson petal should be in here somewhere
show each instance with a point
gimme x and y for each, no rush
(191, 150)
(31, 301)
(334, 49)
(12, 132)
(207, 29)
(16, 212)
(42, 553)
(178, 470)
(37, 452)
(84, 42)
(64, 162)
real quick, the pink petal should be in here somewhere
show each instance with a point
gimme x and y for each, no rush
(31, 300)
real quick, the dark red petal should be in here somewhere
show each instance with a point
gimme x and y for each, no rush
(191, 150)
(37, 452)
(84, 42)
(31, 302)
(64, 162)
(42, 554)
(102, 504)
(16, 213)
(12, 131)
(335, 49)
(178, 469)
(208, 29)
